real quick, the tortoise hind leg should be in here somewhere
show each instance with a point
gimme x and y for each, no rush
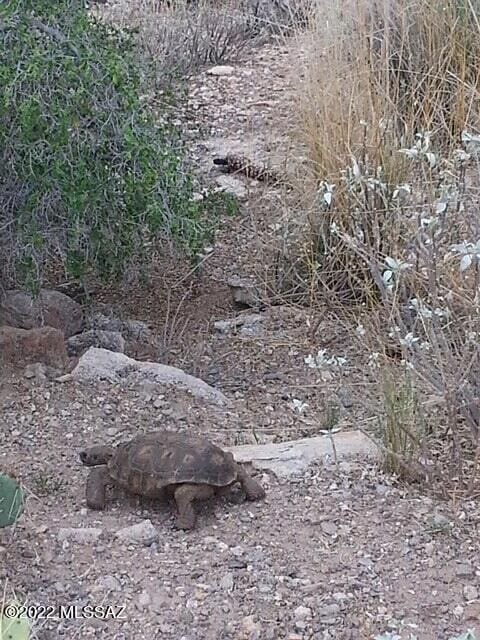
(185, 495)
(97, 483)
(253, 490)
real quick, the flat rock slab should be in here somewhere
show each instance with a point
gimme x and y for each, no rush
(101, 364)
(287, 459)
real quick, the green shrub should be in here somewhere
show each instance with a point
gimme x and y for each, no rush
(88, 180)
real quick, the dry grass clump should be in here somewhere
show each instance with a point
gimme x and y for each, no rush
(181, 36)
(380, 72)
(389, 113)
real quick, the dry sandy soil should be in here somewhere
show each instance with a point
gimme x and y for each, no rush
(335, 553)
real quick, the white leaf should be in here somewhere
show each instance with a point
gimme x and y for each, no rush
(464, 247)
(432, 159)
(328, 197)
(468, 635)
(360, 330)
(440, 207)
(465, 262)
(410, 153)
(427, 222)
(310, 362)
(392, 263)
(326, 432)
(387, 275)
(470, 138)
(356, 168)
(298, 405)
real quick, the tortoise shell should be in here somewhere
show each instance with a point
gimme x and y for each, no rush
(149, 463)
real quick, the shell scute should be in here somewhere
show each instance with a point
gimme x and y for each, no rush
(149, 463)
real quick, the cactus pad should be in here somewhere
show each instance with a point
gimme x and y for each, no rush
(14, 628)
(11, 501)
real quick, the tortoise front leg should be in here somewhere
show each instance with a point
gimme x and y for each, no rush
(185, 495)
(97, 483)
(253, 490)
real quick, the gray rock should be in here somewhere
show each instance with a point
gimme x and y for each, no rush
(340, 596)
(144, 600)
(130, 329)
(49, 309)
(328, 527)
(257, 555)
(288, 459)
(110, 340)
(458, 611)
(221, 70)
(439, 521)
(37, 370)
(231, 185)
(237, 551)
(186, 616)
(226, 583)
(100, 364)
(345, 398)
(21, 347)
(244, 292)
(143, 533)
(138, 337)
(382, 489)
(329, 610)
(470, 593)
(84, 535)
(302, 613)
(250, 626)
(463, 570)
(106, 583)
(264, 588)
(247, 324)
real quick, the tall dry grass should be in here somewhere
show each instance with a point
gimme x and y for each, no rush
(378, 72)
(389, 112)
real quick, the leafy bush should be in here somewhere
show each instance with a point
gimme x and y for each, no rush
(89, 181)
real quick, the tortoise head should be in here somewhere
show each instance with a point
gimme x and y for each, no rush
(94, 456)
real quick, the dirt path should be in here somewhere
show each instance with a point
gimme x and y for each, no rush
(333, 554)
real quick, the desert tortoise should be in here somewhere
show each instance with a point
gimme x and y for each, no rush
(166, 463)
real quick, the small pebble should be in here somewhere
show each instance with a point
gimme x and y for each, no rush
(302, 613)
(143, 533)
(79, 535)
(470, 593)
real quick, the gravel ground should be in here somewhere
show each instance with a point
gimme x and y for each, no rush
(335, 553)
